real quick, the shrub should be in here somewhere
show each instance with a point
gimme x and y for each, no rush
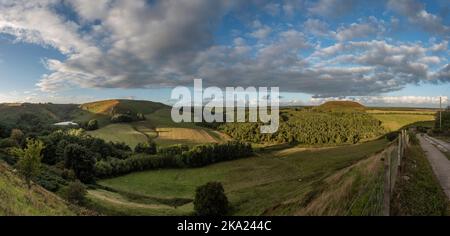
(76, 193)
(81, 160)
(29, 162)
(173, 150)
(121, 146)
(140, 116)
(92, 125)
(121, 118)
(391, 136)
(147, 148)
(210, 200)
(7, 143)
(68, 174)
(17, 135)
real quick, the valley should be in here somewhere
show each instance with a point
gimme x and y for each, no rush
(324, 161)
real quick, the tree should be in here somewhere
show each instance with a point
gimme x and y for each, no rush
(29, 163)
(140, 116)
(17, 135)
(76, 193)
(92, 125)
(210, 200)
(5, 131)
(147, 148)
(81, 160)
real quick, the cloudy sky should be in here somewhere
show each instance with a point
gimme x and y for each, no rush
(392, 52)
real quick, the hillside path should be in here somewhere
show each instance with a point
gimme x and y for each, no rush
(439, 163)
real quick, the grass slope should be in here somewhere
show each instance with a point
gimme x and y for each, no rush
(393, 122)
(262, 185)
(120, 133)
(110, 107)
(17, 200)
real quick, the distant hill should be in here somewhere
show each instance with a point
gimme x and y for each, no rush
(346, 106)
(12, 114)
(117, 106)
(34, 117)
(17, 200)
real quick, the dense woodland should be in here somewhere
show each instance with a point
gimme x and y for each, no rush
(306, 126)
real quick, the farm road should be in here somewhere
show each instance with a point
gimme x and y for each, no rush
(439, 163)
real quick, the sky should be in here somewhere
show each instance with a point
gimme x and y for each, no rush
(379, 53)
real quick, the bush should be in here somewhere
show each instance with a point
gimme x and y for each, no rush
(76, 193)
(173, 150)
(29, 163)
(121, 146)
(210, 200)
(92, 125)
(147, 148)
(81, 160)
(391, 136)
(17, 135)
(140, 116)
(7, 143)
(121, 118)
(68, 174)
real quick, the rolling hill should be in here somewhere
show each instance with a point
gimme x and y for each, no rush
(17, 200)
(337, 106)
(157, 126)
(47, 113)
(117, 106)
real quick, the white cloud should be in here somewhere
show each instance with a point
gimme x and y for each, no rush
(141, 44)
(316, 27)
(417, 14)
(261, 32)
(366, 29)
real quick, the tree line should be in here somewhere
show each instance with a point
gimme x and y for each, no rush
(174, 157)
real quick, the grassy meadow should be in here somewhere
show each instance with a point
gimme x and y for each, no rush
(394, 119)
(120, 133)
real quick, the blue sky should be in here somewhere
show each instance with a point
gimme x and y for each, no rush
(381, 53)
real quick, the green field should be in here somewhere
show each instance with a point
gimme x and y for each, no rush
(120, 133)
(265, 184)
(393, 122)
